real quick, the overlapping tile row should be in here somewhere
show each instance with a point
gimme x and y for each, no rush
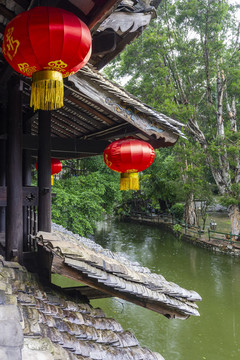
(117, 273)
(58, 328)
(131, 100)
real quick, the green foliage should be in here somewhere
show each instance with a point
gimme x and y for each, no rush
(177, 210)
(160, 181)
(177, 228)
(81, 200)
(174, 67)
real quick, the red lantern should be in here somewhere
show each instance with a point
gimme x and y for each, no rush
(47, 44)
(128, 157)
(56, 167)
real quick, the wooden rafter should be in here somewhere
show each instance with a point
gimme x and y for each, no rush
(81, 104)
(23, 3)
(8, 14)
(58, 267)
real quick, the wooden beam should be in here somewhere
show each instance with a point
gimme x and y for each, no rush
(68, 156)
(14, 225)
(67, 145)
(80, 146)
(59, 267)
(6, 12)
(90, 109)
(89, 292)
(100, 12)
(103, 42)
(44, 171)
(120, 130)
(23, 3)
(29, 196)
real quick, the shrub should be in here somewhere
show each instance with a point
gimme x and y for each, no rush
(177, 210)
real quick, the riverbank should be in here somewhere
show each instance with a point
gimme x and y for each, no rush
(199, 238)
(215, 277)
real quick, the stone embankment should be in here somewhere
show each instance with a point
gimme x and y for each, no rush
(220, 245)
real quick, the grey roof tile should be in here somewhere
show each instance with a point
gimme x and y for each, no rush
(47, 326)
(120, 275)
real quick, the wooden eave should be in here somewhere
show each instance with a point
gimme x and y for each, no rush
(96, 112)
(111, 275)
(94, 108)
(93, 13)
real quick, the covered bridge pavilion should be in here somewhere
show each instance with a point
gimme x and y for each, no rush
(95, 113)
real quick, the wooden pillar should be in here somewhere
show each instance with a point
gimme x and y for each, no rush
(44, 171)
(3, 131)
(26, 182)
(14, 223)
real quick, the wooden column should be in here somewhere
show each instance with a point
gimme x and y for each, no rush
(44, 171)
(14, 223)
(3, 131)
(26, 182)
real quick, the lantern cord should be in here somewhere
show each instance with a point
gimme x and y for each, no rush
(47, 90)
(129, 181)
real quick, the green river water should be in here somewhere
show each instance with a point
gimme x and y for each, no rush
(215, 335)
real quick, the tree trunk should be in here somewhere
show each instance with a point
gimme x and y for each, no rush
(190, 216)
(234, 214)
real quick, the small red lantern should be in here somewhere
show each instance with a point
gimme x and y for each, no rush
(56, 167)
(47, 44)
(128, 157)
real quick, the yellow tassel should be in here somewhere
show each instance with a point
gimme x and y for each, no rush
(129, 181)
(47, 90)
(52, 180)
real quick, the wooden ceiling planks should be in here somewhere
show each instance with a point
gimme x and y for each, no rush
(94, 108)
(90, 109)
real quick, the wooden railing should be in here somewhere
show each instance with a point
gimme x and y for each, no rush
(30, 222)
(30, 228)
(229, 237)
(184, 228)
(30, 209)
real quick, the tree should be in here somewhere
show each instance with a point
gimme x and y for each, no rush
(81, 200)
(187, 65)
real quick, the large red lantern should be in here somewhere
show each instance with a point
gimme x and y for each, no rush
(56, 167)
(129, 156)
(47, 44)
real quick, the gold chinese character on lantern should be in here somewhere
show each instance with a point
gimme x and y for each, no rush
(25, 68)
(11, 44)
(57, 65)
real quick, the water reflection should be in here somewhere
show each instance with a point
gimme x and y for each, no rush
(215, 335)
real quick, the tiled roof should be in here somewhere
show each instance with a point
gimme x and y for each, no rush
(113, 89)
(43, 324)
(83, 260)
